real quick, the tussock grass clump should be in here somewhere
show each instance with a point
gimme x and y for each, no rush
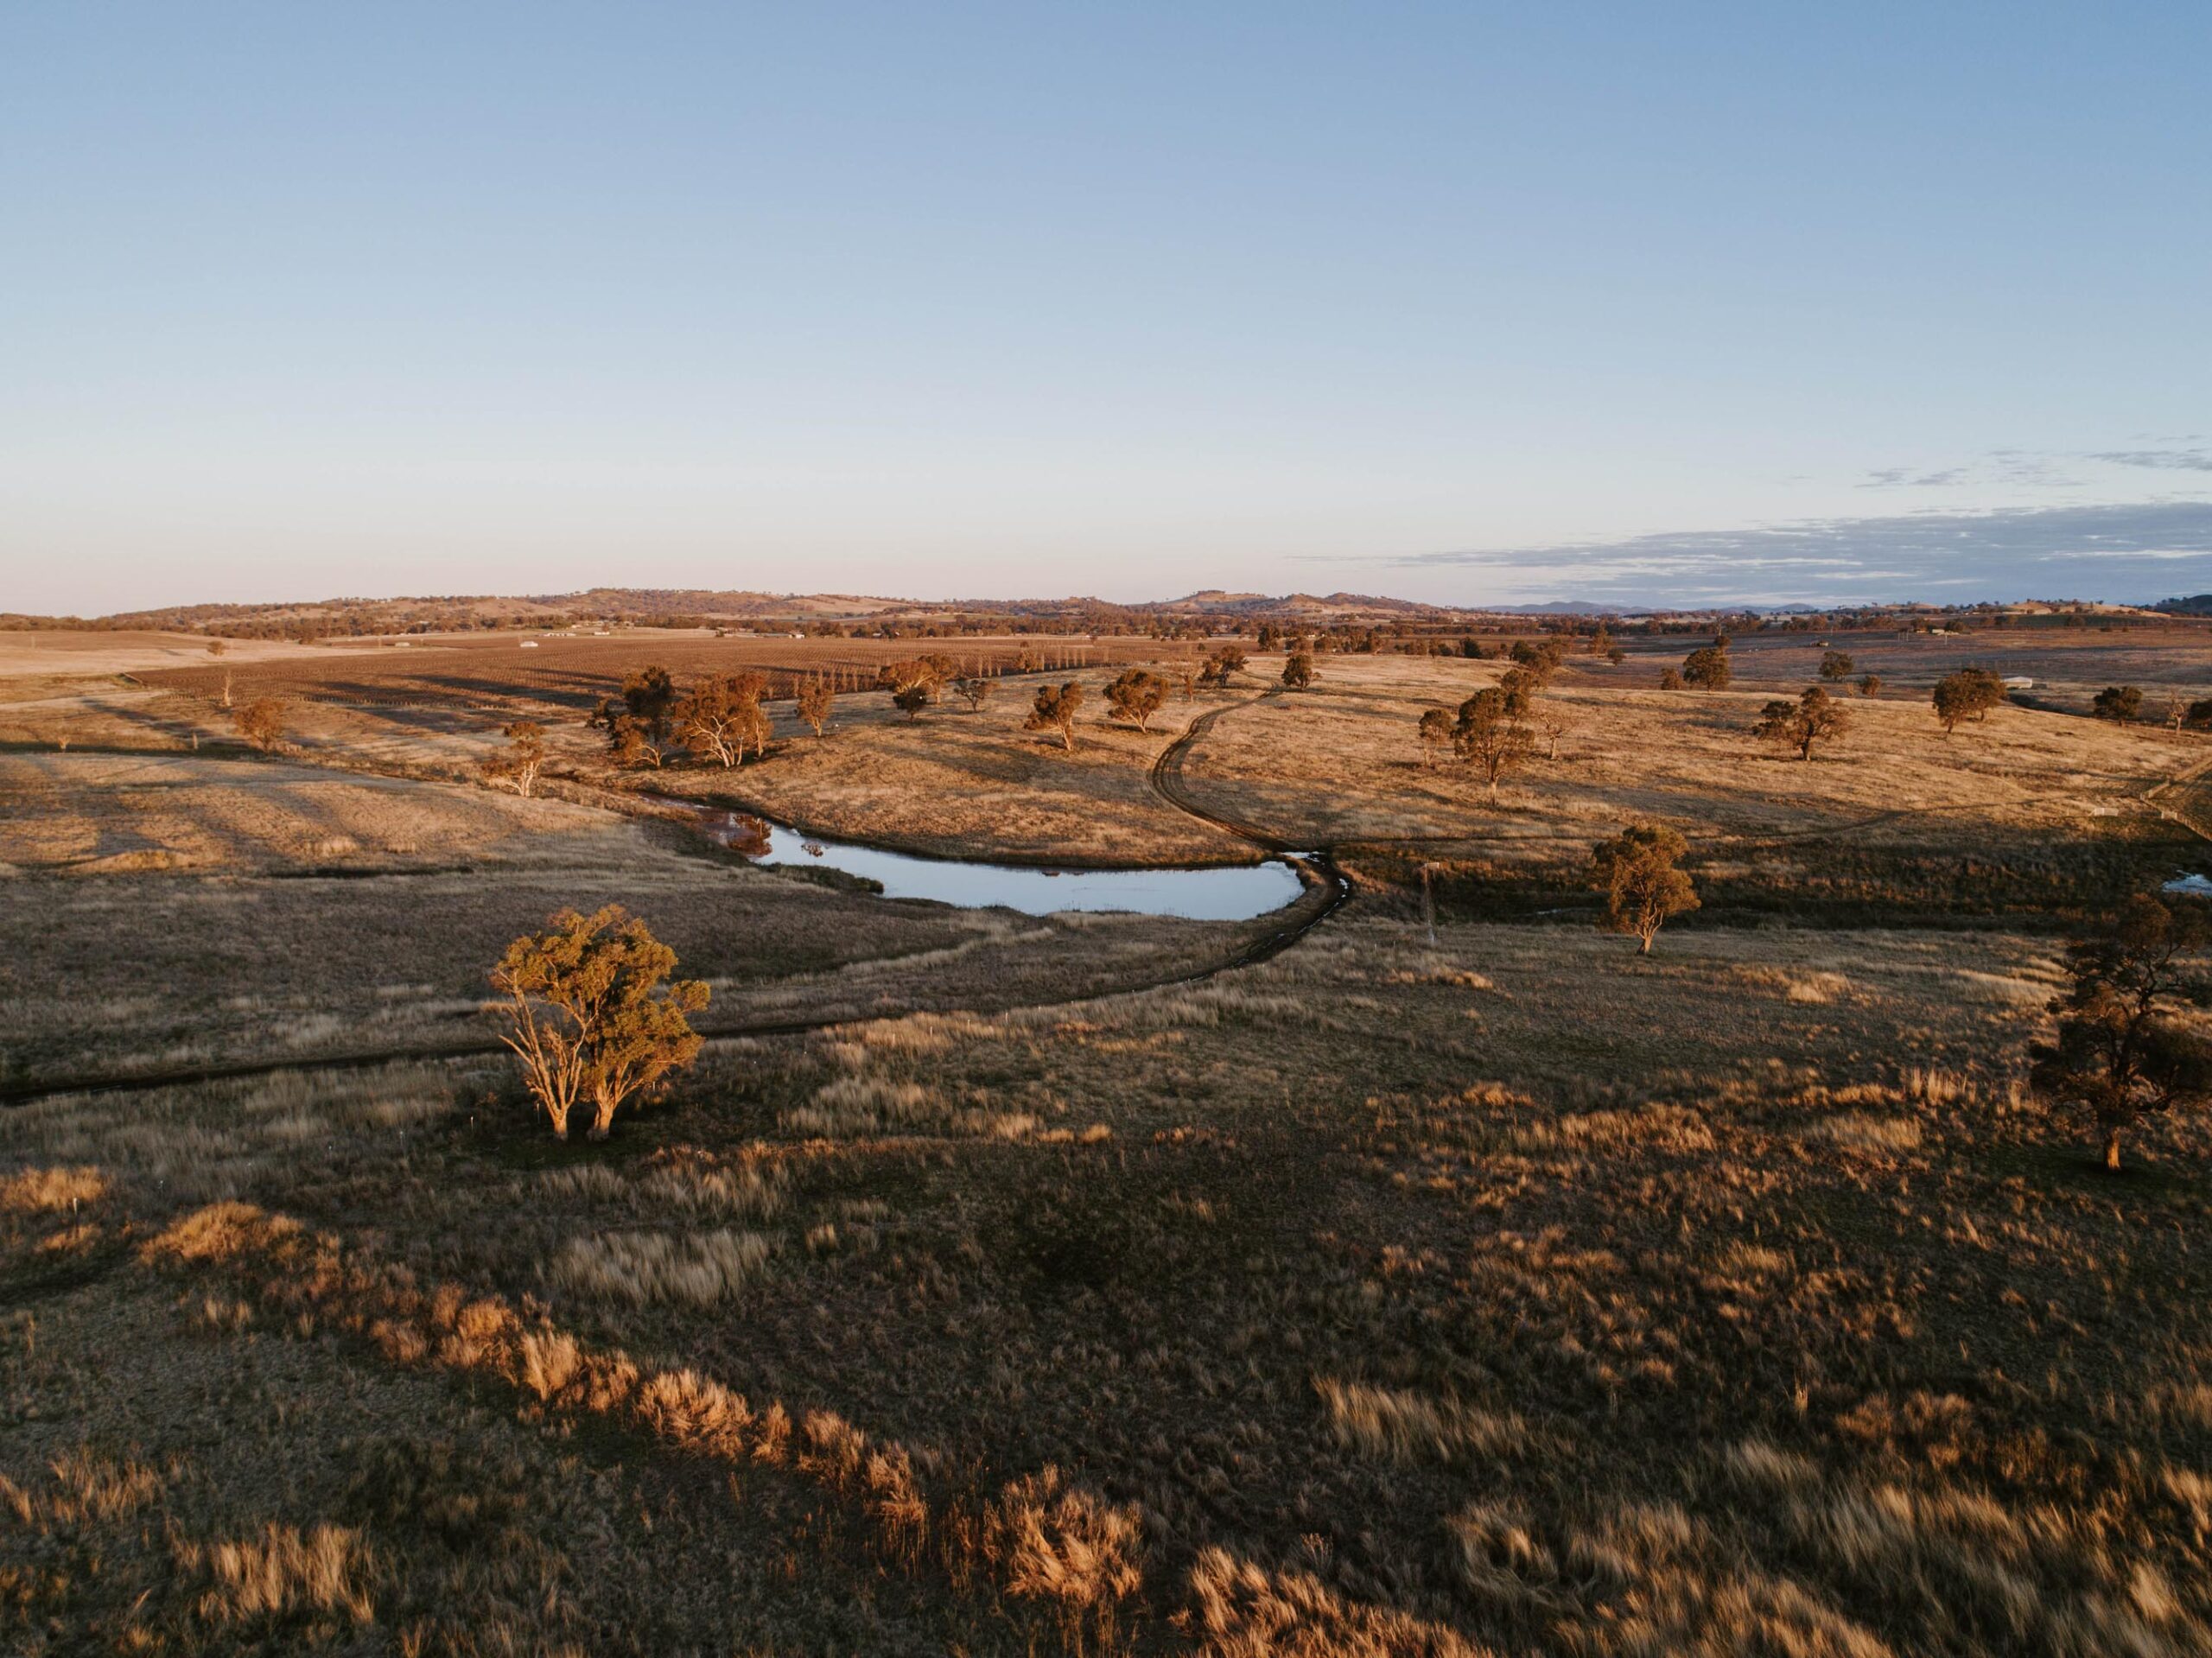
(680, 1182)
(859, 1104)
(1242, 1610)
(1432, 967)
(82, 1488)
(284, 1572)
(1403, 1427)
(39, 1191)
(1859, 1132)
(694, 1269)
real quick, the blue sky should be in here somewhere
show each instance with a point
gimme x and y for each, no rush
(1471, 304)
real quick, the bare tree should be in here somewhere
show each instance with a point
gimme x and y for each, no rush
(2117, 1054)
(1055, 710)
(520, 761)
(592, 1013)
(1552, 726)
(261, 722)
(1136, 695)
(813, 704)
(1489, 738)
(1813, 717)
(1643, 888)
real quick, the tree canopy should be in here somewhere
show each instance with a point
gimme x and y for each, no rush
(1055, 710)
(1636, 871)
(593, 1014)
(1707, 668)
(1812, 718)
(2117, 1055)
(1135, 696)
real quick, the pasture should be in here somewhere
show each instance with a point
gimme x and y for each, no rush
(1357, 1283)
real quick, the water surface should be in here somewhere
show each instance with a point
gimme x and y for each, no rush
(1235, 893)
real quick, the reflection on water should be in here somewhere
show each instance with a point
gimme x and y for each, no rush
(1231, 894)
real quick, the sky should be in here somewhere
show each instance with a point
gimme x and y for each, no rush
(1470, 303)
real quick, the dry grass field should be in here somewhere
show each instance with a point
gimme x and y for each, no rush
(985, 1289)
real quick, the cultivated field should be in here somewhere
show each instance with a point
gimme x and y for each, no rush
(1000, 1284)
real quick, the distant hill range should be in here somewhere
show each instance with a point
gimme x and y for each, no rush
(1210, 610)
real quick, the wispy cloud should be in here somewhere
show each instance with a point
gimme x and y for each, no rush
(2122, 553)
(2163, 460)
(1906, 478)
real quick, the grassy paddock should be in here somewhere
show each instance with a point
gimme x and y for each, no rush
(1510, 1293)
(1495, 1292)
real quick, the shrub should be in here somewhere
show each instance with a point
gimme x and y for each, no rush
(1669, 680)
(1835, 665)
(261, 722)
(2118, 703)
(1870, 684)
(1298, 670)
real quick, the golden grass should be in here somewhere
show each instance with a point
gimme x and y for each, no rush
(694, 1268)
(1491, 1291)
(35, 1192)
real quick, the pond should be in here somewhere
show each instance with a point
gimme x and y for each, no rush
(1236, 892)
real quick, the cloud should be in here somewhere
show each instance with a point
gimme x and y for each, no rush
(2119, 553)
(2165, 459)
(1906, 478)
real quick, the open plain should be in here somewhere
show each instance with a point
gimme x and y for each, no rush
(1423, 1272)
